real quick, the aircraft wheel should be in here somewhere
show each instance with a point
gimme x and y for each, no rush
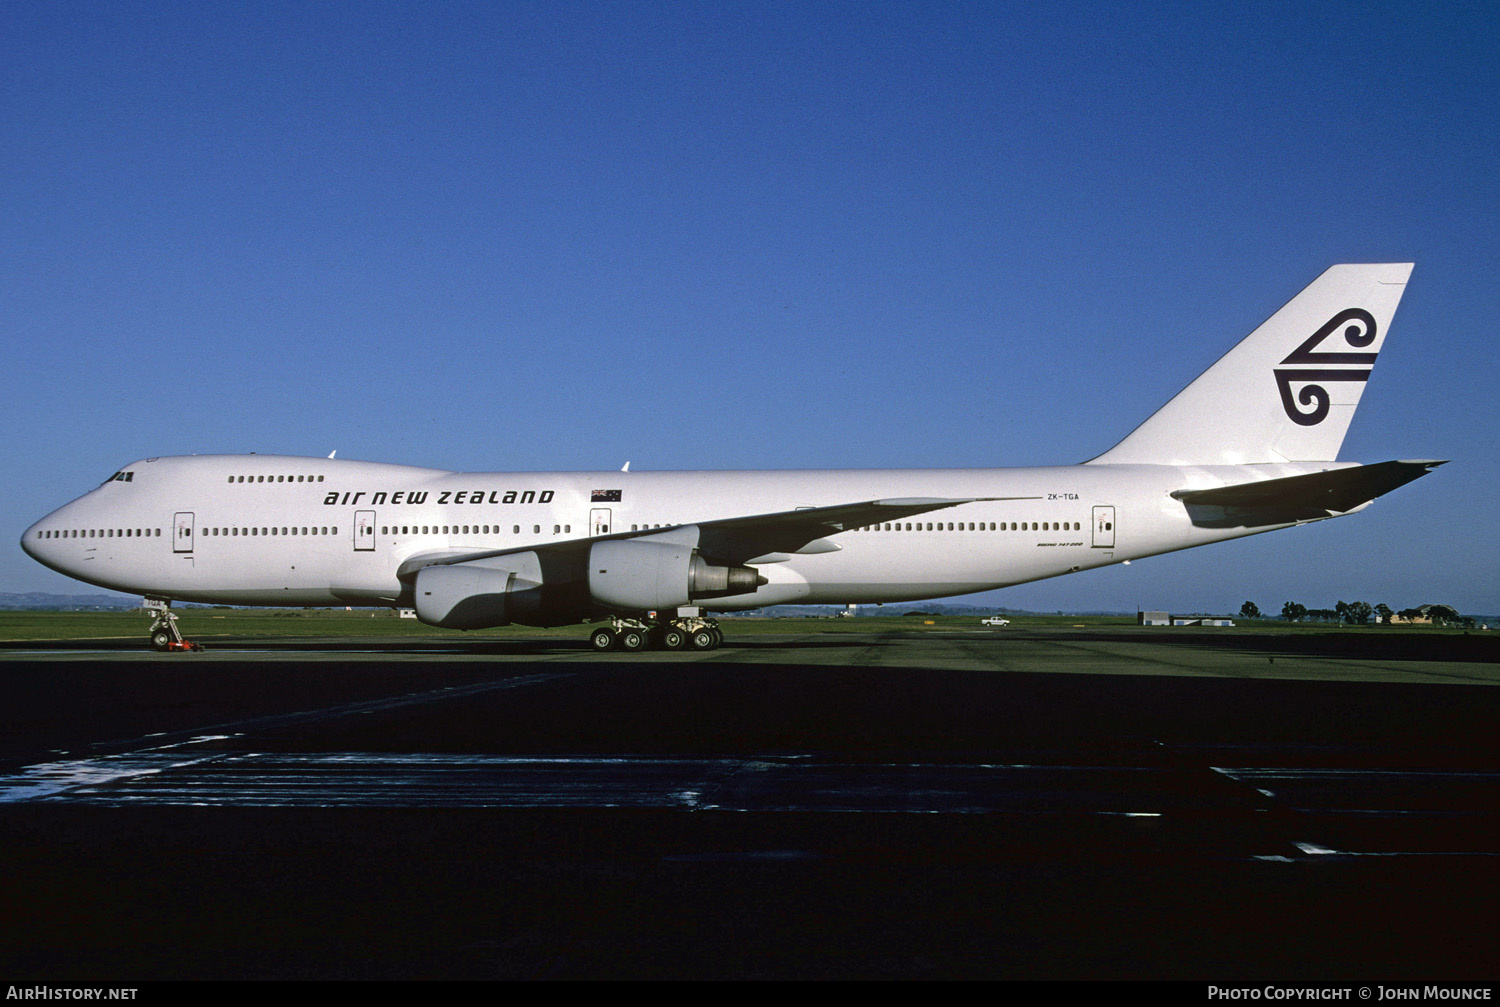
(718, 636)
(632, 640)
(161, 640)
(673, 638)
(602, 639)
(702, 639)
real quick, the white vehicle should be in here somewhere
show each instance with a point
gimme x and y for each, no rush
(994, 620)
(1248, 447)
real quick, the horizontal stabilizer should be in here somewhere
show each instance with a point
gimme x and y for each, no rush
(1297, 498)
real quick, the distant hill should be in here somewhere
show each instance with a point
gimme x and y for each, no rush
(68, 602)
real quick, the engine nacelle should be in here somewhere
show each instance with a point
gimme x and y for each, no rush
(480, 593)
(637, 576)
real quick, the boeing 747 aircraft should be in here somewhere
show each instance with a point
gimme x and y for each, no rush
(1248, 447)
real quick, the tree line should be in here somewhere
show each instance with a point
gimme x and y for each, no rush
(1361, 613)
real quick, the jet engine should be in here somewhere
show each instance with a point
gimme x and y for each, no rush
(480, 593)
(637, 576)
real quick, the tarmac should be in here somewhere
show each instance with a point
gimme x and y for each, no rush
(1018, 803)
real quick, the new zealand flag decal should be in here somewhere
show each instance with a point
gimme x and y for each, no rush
(605, 496)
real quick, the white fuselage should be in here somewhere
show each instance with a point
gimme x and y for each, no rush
(276, 530)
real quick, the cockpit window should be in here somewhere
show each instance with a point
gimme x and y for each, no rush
(119, 477)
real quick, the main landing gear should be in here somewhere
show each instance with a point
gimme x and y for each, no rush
(165, 636)
(684, 633)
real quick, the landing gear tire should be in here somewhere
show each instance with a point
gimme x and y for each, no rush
(718, 636)
(602, 639)
(702, 639)
(161, 640)
(673, 638)
(632, 640)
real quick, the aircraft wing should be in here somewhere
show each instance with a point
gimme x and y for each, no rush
(739, 539)
(735, 540)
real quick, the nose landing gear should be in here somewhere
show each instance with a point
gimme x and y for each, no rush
(165, 636)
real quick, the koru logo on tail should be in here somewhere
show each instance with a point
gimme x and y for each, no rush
(1358, 331)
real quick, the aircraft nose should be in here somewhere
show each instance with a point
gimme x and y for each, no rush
(37, 544)
(32, 543)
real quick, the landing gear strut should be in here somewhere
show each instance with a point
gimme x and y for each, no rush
(165, 636)
(678, 633)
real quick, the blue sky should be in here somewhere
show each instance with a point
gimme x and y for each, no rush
(560, 236)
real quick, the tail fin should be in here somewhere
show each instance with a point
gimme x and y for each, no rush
(1287, 392)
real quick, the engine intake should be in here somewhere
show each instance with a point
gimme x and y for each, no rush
(480, 593)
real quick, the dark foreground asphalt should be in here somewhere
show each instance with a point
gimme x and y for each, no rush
(901, 807)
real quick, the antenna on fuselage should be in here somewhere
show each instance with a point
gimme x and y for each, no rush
(333, 452)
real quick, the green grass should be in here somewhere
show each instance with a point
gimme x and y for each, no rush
(207, 623)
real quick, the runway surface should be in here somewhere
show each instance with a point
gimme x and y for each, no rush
(1031, 804)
